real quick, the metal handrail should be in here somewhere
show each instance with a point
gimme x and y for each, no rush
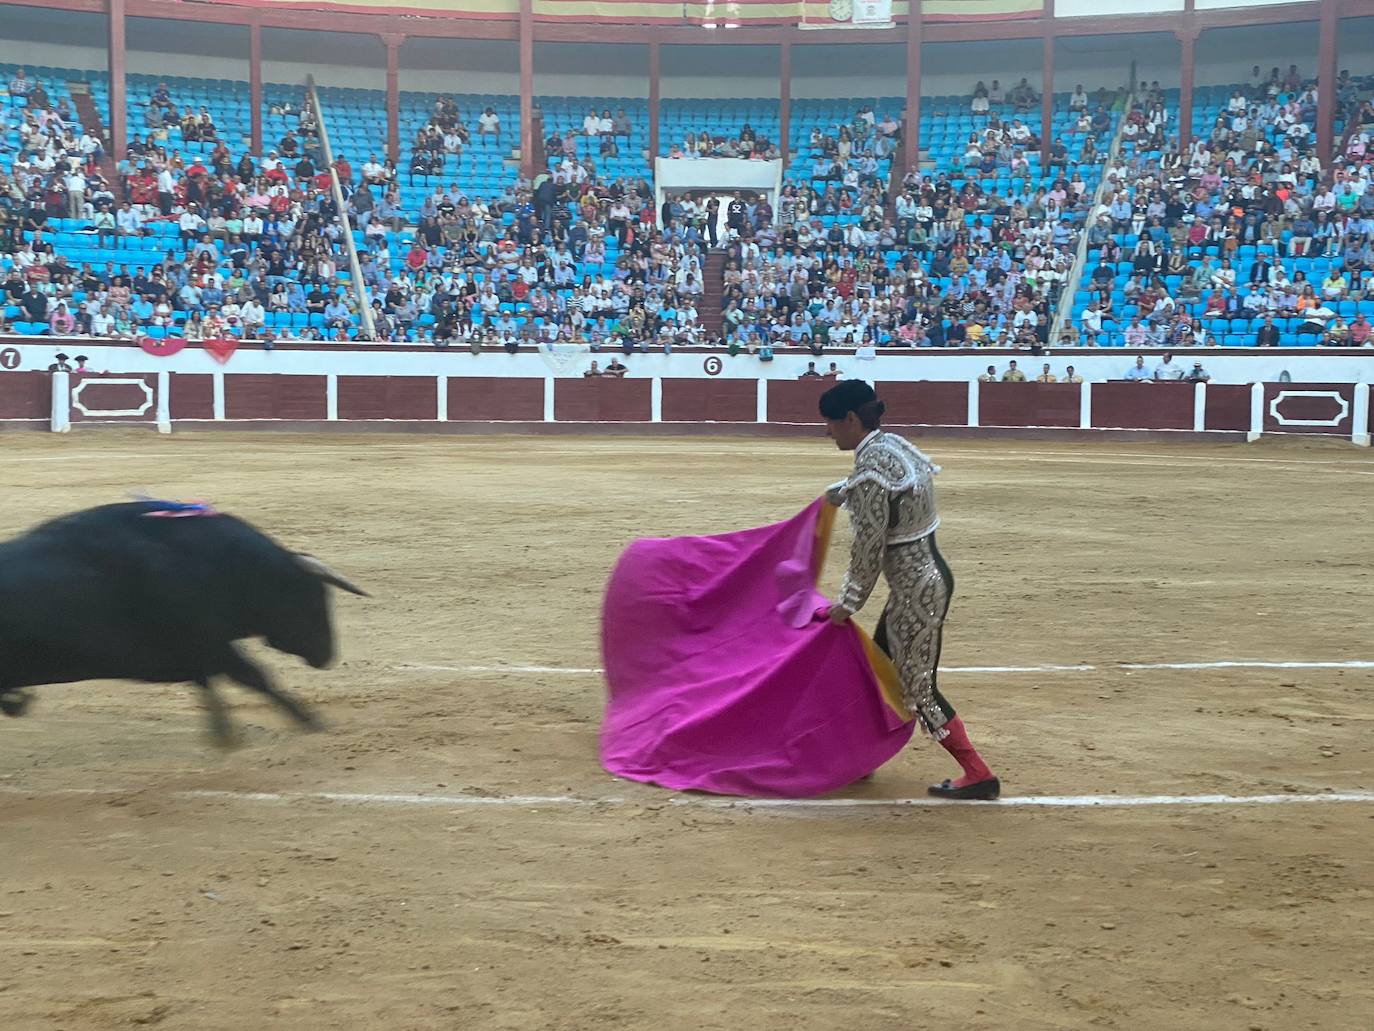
(360, 291)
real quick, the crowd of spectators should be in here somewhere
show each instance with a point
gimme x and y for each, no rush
(948, 263)
(53, 173)
(233, 239)
(1247, 231)
(746, 144)
(1021, 96)
(1166, 371)
(532, 267)
(599, 135)
(444, 134)
(227, 244)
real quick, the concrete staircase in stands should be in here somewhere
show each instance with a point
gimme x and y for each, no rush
(898, 172)
(710, 307)
(90, 118)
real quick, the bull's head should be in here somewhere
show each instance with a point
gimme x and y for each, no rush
(302, 625)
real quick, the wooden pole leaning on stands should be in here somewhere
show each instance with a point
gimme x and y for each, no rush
(359, 287)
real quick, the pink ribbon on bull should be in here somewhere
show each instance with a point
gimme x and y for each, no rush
(182, 510)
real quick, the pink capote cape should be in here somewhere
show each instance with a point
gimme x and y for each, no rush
(721, 677)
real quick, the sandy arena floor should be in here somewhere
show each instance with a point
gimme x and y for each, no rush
(149, 905)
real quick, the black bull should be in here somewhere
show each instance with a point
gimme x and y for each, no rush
(157, 592)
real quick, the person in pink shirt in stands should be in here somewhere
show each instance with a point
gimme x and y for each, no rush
(61, 323)
(1359, 331)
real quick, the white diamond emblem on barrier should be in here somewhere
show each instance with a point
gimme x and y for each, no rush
(1342, 408)
(112, 412)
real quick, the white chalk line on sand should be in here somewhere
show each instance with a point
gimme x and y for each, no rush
(717, 802)
(1129, 667)
(692, 446)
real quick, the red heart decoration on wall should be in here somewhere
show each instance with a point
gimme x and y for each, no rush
(221, 349)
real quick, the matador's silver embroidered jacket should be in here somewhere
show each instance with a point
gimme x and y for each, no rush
(891, 500)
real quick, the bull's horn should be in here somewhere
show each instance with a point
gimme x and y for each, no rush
(316, 568)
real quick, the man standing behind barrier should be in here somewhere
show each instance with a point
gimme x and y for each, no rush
(1169, 369)
(1137, 373)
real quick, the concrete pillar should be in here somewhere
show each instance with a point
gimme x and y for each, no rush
(255, 85)
(119, 108)
(911, 133)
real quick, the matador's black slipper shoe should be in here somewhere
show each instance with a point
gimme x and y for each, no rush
(983, 791)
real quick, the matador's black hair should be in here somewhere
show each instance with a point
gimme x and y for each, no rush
(853, 395)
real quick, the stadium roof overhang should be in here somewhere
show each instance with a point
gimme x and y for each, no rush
(497, 23)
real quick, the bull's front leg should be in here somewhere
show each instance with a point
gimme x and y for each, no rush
(239, 668)
(221, 730)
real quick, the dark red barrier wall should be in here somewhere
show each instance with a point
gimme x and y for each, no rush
(796, 400)
(1331, 406)
(192, 396)
(925, 404)
(251, 396)
(104, 396)
(710, 400)
(1228, 407)
(489, 399)
(1029, 404)
(25, 395)
(601, 400)
(388, 397)
(1143, 406)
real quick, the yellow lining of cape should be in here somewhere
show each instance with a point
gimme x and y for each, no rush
(882, 666)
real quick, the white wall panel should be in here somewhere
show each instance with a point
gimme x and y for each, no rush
(1212, 5)
(1100, 8)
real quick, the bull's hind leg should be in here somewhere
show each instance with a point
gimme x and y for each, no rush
(250, 676)
(221, 730)
(14, 701)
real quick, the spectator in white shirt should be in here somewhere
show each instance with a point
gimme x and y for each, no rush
(1092, 319)
(1168, 369)
(102, 322)
(166, 190)
(489, 124)
(104, 221)
(191, 223)
(128, 221)
(76, 195)
(253, 317)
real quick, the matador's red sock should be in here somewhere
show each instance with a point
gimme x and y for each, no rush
(957, 744)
